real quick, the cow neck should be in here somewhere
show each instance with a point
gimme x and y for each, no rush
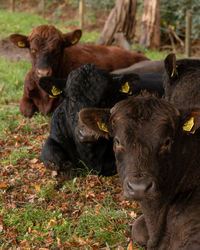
(155, 215)
(63, 69)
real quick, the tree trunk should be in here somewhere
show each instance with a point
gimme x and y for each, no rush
(150, 32)
(121, 19)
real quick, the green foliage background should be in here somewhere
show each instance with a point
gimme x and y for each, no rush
(174, 13)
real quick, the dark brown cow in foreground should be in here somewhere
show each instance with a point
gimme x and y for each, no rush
(54, 54)
(158, 159)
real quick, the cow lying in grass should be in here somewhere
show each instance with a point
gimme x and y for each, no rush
(182, 81)
(68, 147)
(158, 160)
(56, 54)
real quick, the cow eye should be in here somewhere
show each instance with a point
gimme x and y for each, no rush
(167, 142)
(166, 146)
(55, 51)
(117, 144)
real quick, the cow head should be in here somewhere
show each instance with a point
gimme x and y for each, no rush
(147, 136)
(182, 81)
(90, 86)
(46, 45)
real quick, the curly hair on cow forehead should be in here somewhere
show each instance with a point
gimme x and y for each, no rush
(45, 31)
(141, 108)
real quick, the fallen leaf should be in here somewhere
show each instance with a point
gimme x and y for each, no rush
(33, 161)
(38, 138)
(133, 215)
(3, 184)
(130, 245)
(52, 222)
(81, 241)
(58, 241)
(37, 187)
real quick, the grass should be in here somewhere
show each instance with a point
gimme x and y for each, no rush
(12, 76)
(23, 23)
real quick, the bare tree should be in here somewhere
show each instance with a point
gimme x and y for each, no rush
(150, 32)
(121, 20)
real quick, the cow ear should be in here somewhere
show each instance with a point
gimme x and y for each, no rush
(53, 87)
(126, 82)
(20, 41)
(96, 120)
(72, 38)
(170, 66)
(192, 123)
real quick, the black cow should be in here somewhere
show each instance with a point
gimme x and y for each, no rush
(68, 147)
(182, 81)
(158, 159)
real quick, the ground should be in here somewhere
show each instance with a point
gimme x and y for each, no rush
(11, 52)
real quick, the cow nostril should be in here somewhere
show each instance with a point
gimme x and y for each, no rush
(149, 187)
(130, 186)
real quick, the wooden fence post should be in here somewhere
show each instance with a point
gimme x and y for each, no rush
(13, 5)
(81, 14)
(188, 33)
(43, 8)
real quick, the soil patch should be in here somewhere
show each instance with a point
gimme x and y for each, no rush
(12, 52)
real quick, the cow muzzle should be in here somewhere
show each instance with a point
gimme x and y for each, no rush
(43, 72)
(138, 190)
(83, 135)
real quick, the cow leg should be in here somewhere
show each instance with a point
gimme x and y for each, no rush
(139, 233)
(27, 107)
(55, 158)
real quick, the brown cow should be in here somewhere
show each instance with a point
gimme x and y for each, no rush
(54, 54)
(157, 155)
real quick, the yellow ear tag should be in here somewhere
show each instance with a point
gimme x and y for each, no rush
(172, 74)
(56, 91)
(51, 96)
(102, 126)
(189, 125)
(75, 40)
(125, 88)
(173, 71)
(21, 44)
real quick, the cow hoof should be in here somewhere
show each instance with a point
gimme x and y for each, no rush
(67, 170)
(139, 233)
(27, 113)
(27, 108)
(51, 166)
